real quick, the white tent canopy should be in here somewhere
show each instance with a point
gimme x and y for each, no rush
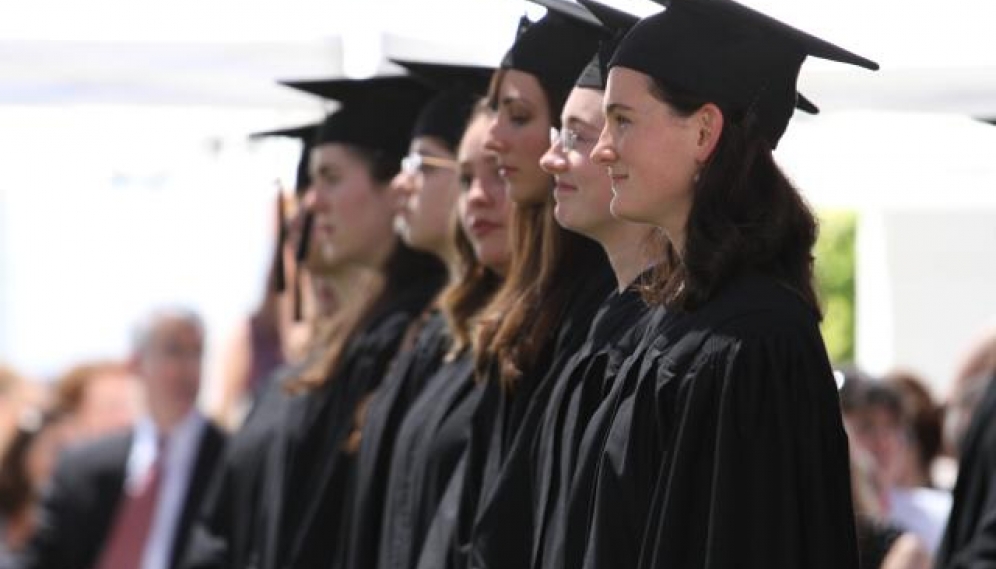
(935, 57)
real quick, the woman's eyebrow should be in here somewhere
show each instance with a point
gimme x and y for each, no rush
(613, 107)
(515, 99)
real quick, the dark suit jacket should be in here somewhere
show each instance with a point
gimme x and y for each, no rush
(77, 511)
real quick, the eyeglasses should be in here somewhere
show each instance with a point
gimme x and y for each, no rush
(567, 138)
(416, 163)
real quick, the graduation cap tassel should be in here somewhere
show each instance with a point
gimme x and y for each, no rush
(300, 257)
(298, 309)
(278, 276)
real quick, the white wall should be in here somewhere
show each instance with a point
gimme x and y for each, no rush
(925, 288)
(4, 268)
(924, 188)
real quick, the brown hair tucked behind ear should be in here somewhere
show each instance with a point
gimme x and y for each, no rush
(745, 216)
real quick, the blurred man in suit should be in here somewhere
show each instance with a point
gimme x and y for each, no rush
(127, 501)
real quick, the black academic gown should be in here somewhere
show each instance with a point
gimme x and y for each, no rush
(429, 445)
(446, 542)
(970, 538)
(729, 450)
(579, 392)
(473, 523)
(502, 531)
(309, 472)
(227, 532)
(387, 409)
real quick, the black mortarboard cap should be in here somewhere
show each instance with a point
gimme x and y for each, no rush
(737, 57)
(615, 23)
(596, 75)
(376, 113)
(459, 87)
(304, 133)
(555, 50)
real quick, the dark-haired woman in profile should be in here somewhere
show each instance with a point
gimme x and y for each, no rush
(729, 448)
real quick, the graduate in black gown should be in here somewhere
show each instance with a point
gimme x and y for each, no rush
(970, 538)
(223, 535)
(428, 188)
(435, 430)
(310, 468)
(309, 457)
(726, 447)
(583, 193)
(541, 316)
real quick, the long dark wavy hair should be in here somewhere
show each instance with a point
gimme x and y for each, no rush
(745, 216)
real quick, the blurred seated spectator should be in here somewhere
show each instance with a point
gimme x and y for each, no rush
(25, 468)
(10, 382)
(881, 545)
(879, 423)
(925, 418)
(98, 398)
(977, 366)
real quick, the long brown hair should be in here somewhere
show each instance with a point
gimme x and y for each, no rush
(543, 276)
(469, 292)
(525, 314)
(745, 216)
(474, 284)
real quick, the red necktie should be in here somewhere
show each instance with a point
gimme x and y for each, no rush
(126, 543)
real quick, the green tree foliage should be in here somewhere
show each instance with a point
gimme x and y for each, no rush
(835, 269)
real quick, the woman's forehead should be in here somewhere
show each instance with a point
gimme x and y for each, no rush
(520, 85)
(624, 82)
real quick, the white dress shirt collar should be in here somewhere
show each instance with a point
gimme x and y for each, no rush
(181, 449)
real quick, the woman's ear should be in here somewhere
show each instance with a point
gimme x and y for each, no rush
(709, 121)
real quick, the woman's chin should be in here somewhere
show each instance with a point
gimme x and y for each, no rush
(622, 209)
